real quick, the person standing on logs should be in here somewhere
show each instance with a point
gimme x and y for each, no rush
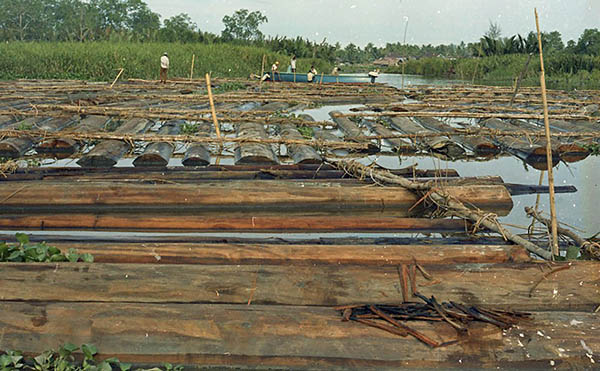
(275, 72)
(293, 63)
(164, 68)
(311, 74)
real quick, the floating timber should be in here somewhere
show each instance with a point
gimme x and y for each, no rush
(437, 144)
(481, 146)
(108, 152)
(253, 153)
(532, 151)
(158, 154)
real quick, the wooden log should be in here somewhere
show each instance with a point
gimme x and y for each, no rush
(253, 153)
(274, 106)
(439, 144)
(5, 120)
(569, 151)
(298, 171)
(17, 146)
(158, 154)
(108, 152)
(257, 196)
(300, 153)
(89, 124)
(532, 151)
(236, 223)
(481, 146)
(351, 131)
(294, 254)
(197, 154)
(398, 145)
(241, 336)
(574, 289)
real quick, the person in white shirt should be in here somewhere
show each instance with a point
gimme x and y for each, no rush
(293, 63)
(164, 68)
(311, 74)
(373, 75)
(275, 72)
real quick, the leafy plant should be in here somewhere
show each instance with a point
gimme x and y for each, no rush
(64, 359)
(306, 131)
(24, 126)
(189, 128)
(228, 86)
(25, 251)
(594, 148)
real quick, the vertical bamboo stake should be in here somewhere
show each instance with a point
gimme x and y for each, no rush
(116, 78)
(192, 69)
(403, 59)
(518, 84)
(548, 145)
(262, 70)
(321, 82)
(212, 107)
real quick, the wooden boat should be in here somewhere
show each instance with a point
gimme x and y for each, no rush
(302, 77)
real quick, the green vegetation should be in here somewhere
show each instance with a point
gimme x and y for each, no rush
(306, 131)
(594, 148)
(102, 60)
(189, 128)
(64, 359)
(24, 251)
(228, 86)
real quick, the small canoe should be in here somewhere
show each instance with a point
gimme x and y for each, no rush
(302, 77)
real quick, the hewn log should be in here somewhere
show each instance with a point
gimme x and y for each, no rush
(300, 154)
(289, 337)
(257, 196)
(89, 124)
(569, 151)
(532, 151)
(255, 223)
(215, 172)
(351, 131)
(296, 254)
(253, 153)
(159, 154)
(17, 146)
(480, 145)
(574, 289)
(197, 154)
(398, 145)
(436, 144)
(108, 152)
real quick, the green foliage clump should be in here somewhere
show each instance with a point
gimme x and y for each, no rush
(228, 86)
(306, 131)
(63, 359)
(25, 251)
(189, 128)
(593, 148)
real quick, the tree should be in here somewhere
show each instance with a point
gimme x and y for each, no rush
(179, 28)
(494, 32)
(589, 42)
(243, 25)
(141, 20)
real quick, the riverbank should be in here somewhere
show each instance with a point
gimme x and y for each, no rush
(101, 61)
(563, 71)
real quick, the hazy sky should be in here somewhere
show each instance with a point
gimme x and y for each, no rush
(381, 21)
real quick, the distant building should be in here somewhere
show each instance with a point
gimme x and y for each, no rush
(388, 61)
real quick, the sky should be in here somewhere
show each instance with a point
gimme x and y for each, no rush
(381, 21)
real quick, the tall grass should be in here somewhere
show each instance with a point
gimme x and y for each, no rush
(100, 61)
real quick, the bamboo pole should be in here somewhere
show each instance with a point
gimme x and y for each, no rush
(262, 71)
(116, 78)
(321, 82)
(554, 241)
(518, 84)
(212, 107)
(192, 69)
